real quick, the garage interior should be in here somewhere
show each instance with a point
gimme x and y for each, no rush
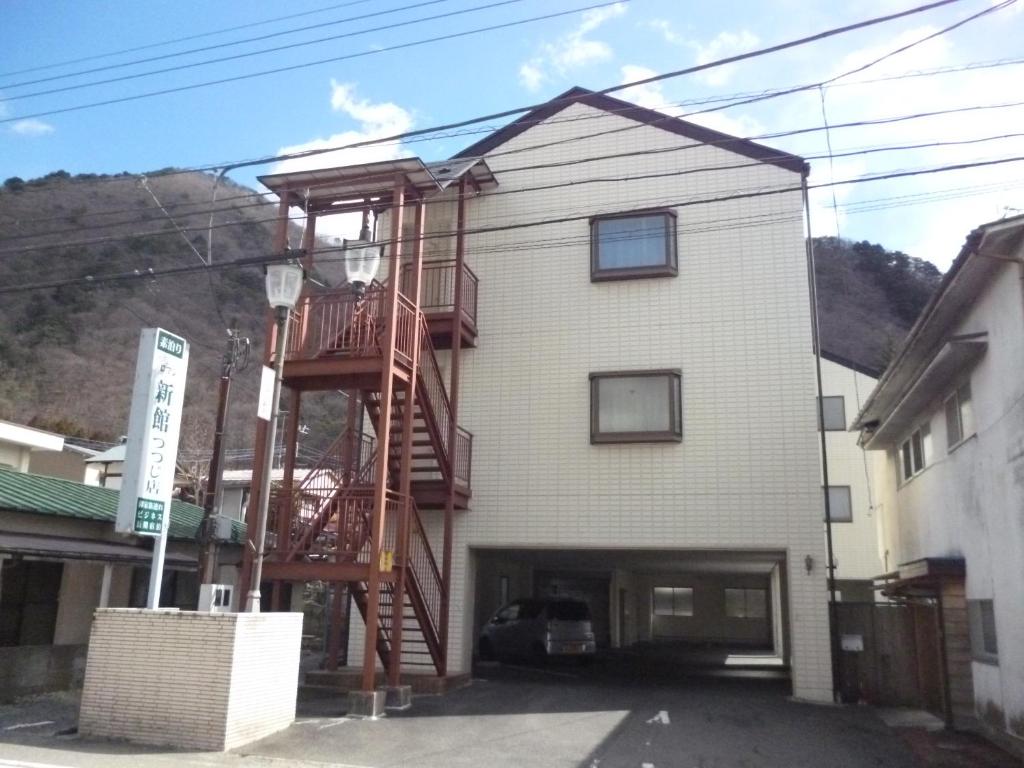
(705, 608)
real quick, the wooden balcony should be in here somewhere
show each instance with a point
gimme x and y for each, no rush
(438, 283)
(335, 339)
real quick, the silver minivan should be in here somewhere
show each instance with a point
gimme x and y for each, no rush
(538, 629)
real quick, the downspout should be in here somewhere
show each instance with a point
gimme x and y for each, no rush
(833, 629)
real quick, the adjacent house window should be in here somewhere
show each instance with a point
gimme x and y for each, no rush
(840, 508)
(915, 452)
(834, 409)
(673, 601)
(982, 622)
(636, 407)
(746, 603)
(959, 416)
(631, 245)
(29, 596)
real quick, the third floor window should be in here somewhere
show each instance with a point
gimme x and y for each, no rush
(632, 245)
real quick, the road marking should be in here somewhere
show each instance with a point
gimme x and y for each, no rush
(332, 723)
(23, 764)
(28, 725)
(661, 717)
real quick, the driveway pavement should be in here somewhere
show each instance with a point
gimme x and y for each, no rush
(609, 716)
(621, 714)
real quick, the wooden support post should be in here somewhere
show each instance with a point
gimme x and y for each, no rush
(405, 467)
(453, 429)
(252, 510)
(387, 381)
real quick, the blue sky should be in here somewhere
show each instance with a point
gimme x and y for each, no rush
(381, 92)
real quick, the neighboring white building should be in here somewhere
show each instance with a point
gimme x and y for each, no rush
(27, 449)
(648, 444)
(852, 477)
(110, 465)
(948, 417)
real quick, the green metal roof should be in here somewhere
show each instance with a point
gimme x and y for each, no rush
(38, 494)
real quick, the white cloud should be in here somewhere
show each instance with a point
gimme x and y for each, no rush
(647, 95)
(652, 96)
(31, 127)
(725, 44)
(910, 214)
(572, 50)
(531, 76)
(668, 32)
(375, 120)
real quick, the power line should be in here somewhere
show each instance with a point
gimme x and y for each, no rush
(318, 62)
(554, 120)
(150, 273)
(559, 164)
(276, 49)
(188, 51)
(505, 113)
(185, 39)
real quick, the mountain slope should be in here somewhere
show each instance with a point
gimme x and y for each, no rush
(868, 298)
(67, 355)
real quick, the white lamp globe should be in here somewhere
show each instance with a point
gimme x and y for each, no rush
(284, 285)
(362, 260)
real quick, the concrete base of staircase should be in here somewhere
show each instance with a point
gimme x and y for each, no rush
(349, 679)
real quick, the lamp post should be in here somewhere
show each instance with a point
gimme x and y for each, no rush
(284, 286)
(362, 259)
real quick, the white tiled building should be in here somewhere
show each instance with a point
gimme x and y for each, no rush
(685, 505)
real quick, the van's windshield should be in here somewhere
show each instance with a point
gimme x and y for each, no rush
(569, 610)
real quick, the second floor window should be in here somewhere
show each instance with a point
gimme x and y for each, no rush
(636, 407)
(624, 246)
(959, 416)
(915, 452)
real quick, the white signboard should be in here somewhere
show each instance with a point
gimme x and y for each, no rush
(265, 405)
(151, 451)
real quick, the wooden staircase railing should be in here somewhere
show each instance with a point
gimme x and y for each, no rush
(348, 467)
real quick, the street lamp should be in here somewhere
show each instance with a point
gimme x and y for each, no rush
(284, 286)
(362, 259)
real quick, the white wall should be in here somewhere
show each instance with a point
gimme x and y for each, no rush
(14, 456)
(735, 320)
(967, 502)
(855, 544)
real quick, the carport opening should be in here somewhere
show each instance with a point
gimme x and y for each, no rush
(687, 608)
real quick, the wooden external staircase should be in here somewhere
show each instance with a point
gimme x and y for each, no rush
(324, 522)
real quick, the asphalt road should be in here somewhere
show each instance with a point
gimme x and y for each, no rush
(612, 715)
(618, 713)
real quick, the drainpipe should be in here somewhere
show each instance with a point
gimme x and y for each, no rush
(833, 628)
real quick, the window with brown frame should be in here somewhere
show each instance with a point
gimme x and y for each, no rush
(632, 245)
(636, 406)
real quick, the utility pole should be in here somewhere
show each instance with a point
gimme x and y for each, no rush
(236, 358)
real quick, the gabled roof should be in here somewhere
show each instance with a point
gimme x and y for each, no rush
(640, 114)
(986, 250)
(37, 494)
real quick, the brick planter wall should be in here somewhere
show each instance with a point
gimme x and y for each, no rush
(191, 680)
